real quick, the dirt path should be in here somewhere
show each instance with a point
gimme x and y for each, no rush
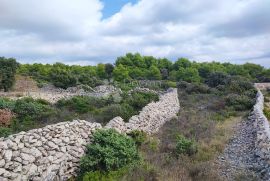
(238, 161)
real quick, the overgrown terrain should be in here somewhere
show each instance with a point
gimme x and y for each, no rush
(186, 147)
(214, 97)
(27, 113)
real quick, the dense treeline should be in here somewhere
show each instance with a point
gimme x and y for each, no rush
(65, 76)
(128, 67)
(136, 66)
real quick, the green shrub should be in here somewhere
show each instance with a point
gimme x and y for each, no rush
(23, 124)
(28, 107)
(104, 176)
(6, 103)
(109, 151)
(239, 85)
(217, 78)
(239, 102)
(83, 104)
(63, 79)
(140, 99)
(193, 87)
(138, 136)
(126, 111)
(185, 146)
(107, 113)
(171, 84)
(4, 132)
(266, 112)
(8, 67)
(97, 176)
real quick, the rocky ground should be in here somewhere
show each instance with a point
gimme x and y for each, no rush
(239, 161)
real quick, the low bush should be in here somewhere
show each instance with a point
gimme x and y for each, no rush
(139, 99)
(4, 132)
(185, 146)
(239, 85)
(239, 102)
(30, 108)
(104, 176)
(83, 104)
(109, 151)
(6, 103)
(138, 136)
(266, 112)
(23, 124)
(193, 87)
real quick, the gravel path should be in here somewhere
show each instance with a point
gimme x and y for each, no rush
(238, 161)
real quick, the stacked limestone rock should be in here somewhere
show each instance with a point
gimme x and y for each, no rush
(262, 138)
(53, 94)
(152, 116)
(49, 153)
(261, 125)
(54, 152)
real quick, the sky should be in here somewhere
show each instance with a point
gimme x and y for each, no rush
(88, 32)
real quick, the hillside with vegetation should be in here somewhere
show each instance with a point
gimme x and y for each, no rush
(215, 101)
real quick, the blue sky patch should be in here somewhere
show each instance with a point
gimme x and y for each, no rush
(113, 6)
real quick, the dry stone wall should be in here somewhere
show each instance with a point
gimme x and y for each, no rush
(262, 129)
(53, 94)
(152, 116)
(54, 152)
(49, 153)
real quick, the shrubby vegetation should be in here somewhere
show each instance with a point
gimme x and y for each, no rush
(109, 151)
(211, 94)
(65, 76)
(266, 112)
(27, 113)
(138, 136)
(185, 146)
(104, 110)
(4, 132)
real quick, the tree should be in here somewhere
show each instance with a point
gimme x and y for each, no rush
(164, 73)
(253, 69)
(120, 73)
(101, 71)
(137, 73)
(109, 70)
(164, 64)
(217, 78)
(154, 73)
(188, 75)
(8, 69)
(63, 79)
(182, 62)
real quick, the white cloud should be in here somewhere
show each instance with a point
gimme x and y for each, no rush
(73, 31)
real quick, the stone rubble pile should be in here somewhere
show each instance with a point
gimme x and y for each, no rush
(53, 94)
(152, 116)
(48, 153)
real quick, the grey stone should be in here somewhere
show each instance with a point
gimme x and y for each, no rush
(8, 155)
(27, 157)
